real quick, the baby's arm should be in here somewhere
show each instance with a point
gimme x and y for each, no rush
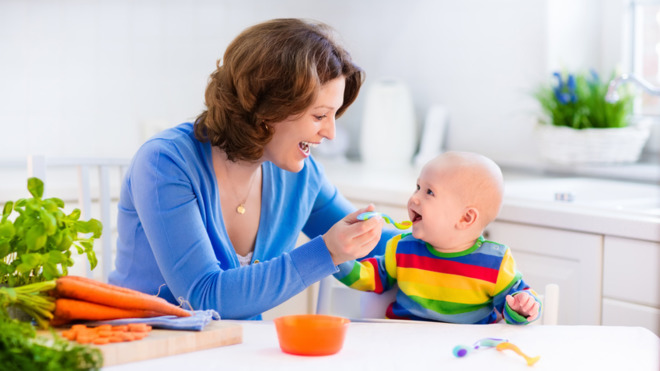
(370, 274)
(515, 300)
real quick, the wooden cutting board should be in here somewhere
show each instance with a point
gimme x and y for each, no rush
(163, 343)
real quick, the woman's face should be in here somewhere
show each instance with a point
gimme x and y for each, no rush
(295, 136)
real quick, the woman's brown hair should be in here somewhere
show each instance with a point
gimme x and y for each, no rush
(271, 71)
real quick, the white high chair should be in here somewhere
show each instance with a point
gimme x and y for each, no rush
(73, 180)
(339, 300)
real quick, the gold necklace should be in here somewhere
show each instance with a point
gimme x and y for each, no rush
(240, 209)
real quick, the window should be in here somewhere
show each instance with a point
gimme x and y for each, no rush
(645, 50)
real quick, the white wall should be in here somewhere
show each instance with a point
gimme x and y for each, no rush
(87, 78)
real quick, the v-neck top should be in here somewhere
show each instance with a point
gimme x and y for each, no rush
(172, 239)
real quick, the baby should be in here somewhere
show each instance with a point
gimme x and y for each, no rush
(445, 269)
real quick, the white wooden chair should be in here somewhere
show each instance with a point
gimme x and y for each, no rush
(334, 298)
(92, 183)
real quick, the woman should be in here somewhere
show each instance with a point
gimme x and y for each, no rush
(210, 212)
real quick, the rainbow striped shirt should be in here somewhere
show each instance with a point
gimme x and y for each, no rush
(464, 287)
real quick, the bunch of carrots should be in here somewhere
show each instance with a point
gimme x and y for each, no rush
(105, 334)
(75, 298)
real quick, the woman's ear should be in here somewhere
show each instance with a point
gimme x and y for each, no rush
(468, 219)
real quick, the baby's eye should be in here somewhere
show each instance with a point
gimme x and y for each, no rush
(429, 192)
(417, 187)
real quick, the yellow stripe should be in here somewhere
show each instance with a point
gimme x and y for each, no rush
(507, 273)
(443, 286)
(367, 280)
(390, 255)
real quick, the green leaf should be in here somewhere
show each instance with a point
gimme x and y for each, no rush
(91, 226)
(6, 211)
(35, 238)
(66, 241)
(5, 248)
(7, 231)
(56, 201)
(56, 257)
(51, 271)
(75, 214)
(93, 261)
(49, 222)
(36, 187)
(29, 262)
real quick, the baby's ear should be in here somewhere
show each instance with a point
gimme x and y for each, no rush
(468, 219)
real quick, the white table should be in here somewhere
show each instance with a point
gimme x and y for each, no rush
(421, 346)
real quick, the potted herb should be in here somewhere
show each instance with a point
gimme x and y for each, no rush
(36, 245)
(578, 125)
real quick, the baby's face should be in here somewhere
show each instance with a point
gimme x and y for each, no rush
(436, 206)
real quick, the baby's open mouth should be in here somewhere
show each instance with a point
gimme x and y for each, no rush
(416, 217)
(306, 147)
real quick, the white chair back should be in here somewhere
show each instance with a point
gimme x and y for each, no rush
(339, 300)
(94, 184)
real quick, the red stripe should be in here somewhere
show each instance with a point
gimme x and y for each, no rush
(446, 266)
(378, 283)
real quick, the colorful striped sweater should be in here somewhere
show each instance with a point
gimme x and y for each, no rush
(464, 287)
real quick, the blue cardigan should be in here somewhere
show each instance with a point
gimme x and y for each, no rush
(172, 239)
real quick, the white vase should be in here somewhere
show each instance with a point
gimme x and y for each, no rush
(388, 132)
(564, 145)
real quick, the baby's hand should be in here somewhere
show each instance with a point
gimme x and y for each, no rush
(524, 304)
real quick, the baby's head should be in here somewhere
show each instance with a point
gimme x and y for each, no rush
(458, 194)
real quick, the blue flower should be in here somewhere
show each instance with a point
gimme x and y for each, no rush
(562, 96)
(571, 88)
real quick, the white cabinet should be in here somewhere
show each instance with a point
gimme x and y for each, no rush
(631, 283)
(573, 260)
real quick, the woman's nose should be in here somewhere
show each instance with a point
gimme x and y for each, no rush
(328, 128)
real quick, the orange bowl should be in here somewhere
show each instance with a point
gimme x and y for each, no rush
(311, 334)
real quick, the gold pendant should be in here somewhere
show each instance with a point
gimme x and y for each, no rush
(240, 209)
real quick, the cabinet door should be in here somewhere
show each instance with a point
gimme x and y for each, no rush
(621, 313)
(573, 260)
(630, 271)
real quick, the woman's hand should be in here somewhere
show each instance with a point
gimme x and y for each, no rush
(351, 238)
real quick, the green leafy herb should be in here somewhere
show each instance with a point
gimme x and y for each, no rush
(36, 245)
(21, 349)
(578, 101)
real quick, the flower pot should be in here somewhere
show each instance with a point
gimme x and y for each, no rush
(564, 145)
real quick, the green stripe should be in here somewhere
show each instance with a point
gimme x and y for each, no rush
(447, 307)
(353, 276)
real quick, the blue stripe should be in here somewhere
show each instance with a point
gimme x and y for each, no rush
(407, 308)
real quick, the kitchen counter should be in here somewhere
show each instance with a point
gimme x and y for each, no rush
(522, 204)
(400, 345)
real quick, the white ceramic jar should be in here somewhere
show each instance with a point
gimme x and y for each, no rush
(389, 131)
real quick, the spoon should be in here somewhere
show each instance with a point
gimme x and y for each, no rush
(369, 214)
(463, 350)
(507, 345)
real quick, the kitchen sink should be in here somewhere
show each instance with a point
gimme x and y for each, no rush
(600, 193)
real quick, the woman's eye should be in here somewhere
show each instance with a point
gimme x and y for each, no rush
(319, 118)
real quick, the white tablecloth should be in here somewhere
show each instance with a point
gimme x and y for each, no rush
(425, 346)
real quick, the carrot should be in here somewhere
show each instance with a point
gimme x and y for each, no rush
(139, 327)
(105, 334)
(76, 287)
(67, 310)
